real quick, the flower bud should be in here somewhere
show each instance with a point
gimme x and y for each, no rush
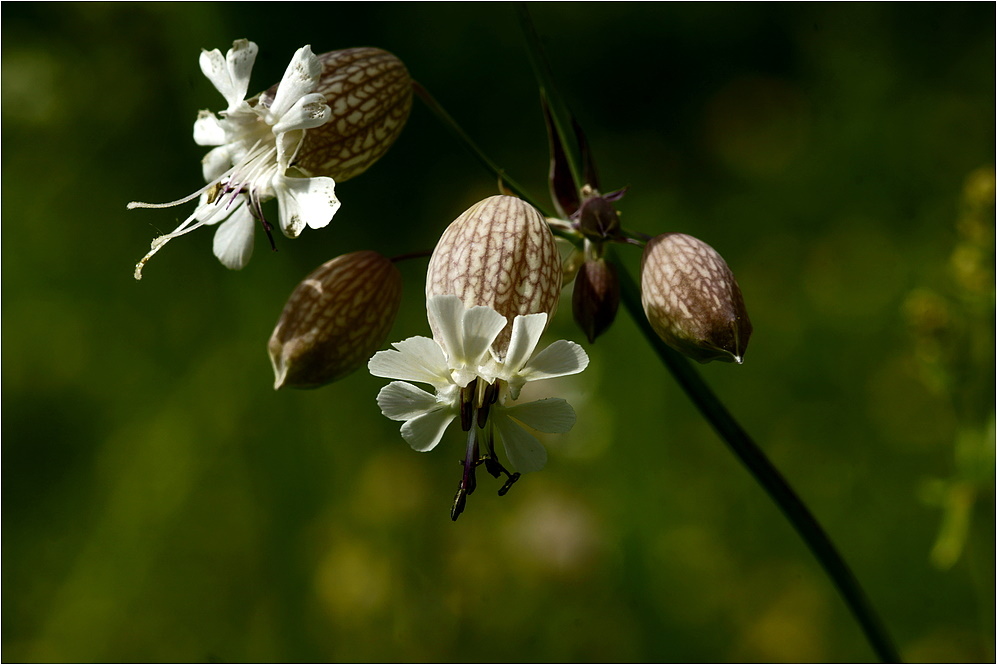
(335, 320)
(370, 95)
(596, 297)
(500, 253)
(598, 219)
(692, 300)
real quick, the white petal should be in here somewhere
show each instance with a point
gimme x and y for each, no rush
(526, 331)
(233, 242)
(403, 401)
(481, 325)
(308, 112)
(300, 78)
(524, 452)
(304, 202)
(552, 415)
(209, 130)
(417, 359)
(425, 431)
(216, 163)
(446, 318)
(230, 75)
(559, 359)
(288, 144)
(213, 67)
(240, 60)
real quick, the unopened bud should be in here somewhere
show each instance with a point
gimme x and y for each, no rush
(596, 297)
(692, 300)
(598, 219)
(500, 253)
(369, 92)
(335, 320)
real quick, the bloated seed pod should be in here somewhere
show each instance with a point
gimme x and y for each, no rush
(370, 94)
(335, 320)
(500, 253)
(596, 297)
(692, 300)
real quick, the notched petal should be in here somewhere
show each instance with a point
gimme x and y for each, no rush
(304, 202)
(424, 432)
(416, 359)
(561, 358)
(403, 401)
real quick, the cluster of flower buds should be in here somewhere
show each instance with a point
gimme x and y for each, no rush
(690, 296)
(493, 281)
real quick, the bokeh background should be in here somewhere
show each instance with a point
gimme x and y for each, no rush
(162, 503)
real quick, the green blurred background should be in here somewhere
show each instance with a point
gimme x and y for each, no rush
(162, 503)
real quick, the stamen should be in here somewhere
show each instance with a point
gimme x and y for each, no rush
(508, 484)
(468, 482)
(488, 397)
(171, 204)
(494, 467)
(467, 405)
(159, 242)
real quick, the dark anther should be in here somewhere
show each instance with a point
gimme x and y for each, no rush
(505, 488)
(458, 504)
(493, 467)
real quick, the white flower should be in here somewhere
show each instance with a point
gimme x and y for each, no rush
(257, 140)
(462, 355)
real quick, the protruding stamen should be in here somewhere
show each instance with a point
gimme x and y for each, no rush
(468, 482)
(495, 468)
(139, 204)
(159, 242)
(508, 484)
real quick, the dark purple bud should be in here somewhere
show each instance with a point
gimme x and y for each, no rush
(596, 297)
(598, 219)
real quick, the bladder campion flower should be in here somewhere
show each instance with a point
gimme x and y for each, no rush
(473, 382)
(330, 117)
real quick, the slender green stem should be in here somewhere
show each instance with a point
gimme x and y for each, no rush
(766, 474)
(478, 153)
